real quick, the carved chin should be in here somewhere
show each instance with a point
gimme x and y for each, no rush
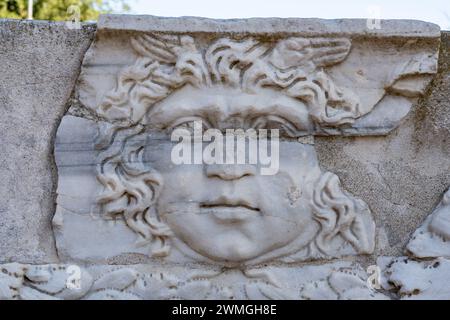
(233, 249)
(232, 246)
(225, 246)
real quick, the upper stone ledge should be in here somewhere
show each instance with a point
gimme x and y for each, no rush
(41, 23)
(297, 26)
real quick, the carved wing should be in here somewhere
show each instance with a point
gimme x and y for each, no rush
(309, 53)
(162, 48)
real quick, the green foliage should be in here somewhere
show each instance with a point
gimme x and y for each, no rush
(57, 9)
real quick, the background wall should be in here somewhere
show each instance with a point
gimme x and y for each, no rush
(39, 63)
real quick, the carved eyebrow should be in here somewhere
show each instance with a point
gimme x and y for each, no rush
(289, 127)
(212, 112)
(292, 118)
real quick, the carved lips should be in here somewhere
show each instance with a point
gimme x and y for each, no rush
(227, 210)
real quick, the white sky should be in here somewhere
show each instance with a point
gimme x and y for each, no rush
(437, 11)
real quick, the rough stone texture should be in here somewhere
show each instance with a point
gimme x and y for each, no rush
(401, 176)
(39, 65)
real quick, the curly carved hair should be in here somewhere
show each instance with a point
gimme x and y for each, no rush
(164, 64)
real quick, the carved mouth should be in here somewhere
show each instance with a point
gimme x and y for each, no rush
(229, 211)
(229, 206)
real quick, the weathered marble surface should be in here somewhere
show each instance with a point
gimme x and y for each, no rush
(80, 221)
(432, 238)
(306, 27)
(415, 279)
(369, 83)
(339, 280)
(129, 80)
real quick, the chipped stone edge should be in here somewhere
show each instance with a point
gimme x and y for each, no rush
(297, 26)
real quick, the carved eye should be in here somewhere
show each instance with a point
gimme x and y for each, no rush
(285, 127)
(189, 123)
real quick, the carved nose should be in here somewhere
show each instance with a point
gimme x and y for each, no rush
(229, 172)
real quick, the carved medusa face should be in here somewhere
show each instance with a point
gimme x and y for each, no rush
(230, 214)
